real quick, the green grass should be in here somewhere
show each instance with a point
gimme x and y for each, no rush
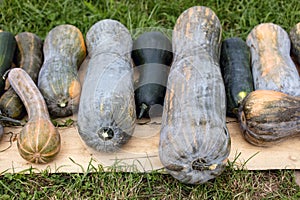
(237, 18)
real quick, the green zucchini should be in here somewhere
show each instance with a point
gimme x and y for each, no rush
(236, 72)
(152, 56)
(7, 50)
(29, 57)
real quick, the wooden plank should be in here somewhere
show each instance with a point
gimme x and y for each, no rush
(141, 153)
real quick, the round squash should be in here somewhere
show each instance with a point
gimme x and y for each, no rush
(64, 50)
(268, 117)
(194, 140)
(106, 115)
(272, 66)
(39, 141)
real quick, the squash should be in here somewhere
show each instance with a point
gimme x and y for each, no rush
(39, 141)
(30, 58)
(64, 50)
(272, 66)
(7, 49)
(295, 41)
(152, 56)
(236, 72)
(194, 140)
(267, 117)
(106, 115)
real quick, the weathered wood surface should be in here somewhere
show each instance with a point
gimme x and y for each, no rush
(141, 153)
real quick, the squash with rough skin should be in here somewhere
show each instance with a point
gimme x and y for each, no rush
(64, 50)
(267, 117)
(236, 72)
(152, 56)
(106, 115)
(7, 50)
(194, 141)
(30, 58)
(272, 66)
(39, 140)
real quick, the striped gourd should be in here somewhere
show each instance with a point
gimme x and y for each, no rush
(38, 141)
(64, 50)
(272, 66)
(194, 141)
(29, 58)
(106, 115)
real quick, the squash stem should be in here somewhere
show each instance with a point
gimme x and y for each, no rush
(144, 108)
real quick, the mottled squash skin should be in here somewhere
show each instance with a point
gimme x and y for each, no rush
(272, 66)
(295, 41)
(194, 141)
(30, 58)
(106, 115)
(268, 117)
(64, 50)
(39, 141)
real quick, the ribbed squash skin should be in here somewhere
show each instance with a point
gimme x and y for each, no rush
(268, 117)
(236, 72)
(29, 58)
(106, 115)
(38, 141)
(295, 41)
(152, 56)
(272, 66)
(7, 49)
(64, 50)
(194, 141)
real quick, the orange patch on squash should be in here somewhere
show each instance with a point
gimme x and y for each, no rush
(74, 89)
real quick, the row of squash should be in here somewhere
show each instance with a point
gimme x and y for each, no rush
(196, 78)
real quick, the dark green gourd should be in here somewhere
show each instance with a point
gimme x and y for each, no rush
(236, 72)
(7, 50)
(106, 115)
(152, 56)
(29, 58)
(194, 140)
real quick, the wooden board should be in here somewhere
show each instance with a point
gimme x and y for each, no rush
(141, 153)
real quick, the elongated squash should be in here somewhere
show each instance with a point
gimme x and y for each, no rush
(236, 72)
(7, 49)
(268, 117)
(152, 56)
(64, 50)
(272, 66)
(194, 140)
(30, 59)
(106, 115)
(295, 41)
(39, 141)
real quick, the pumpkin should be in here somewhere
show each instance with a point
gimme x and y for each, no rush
(64, 50)
(39, 141)
(194, 140)
(272, 66)
(152, 56)
(295, 48)
(7, 49)
(267, 117)
(236, 72)
(106, 115)
(30, 58)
